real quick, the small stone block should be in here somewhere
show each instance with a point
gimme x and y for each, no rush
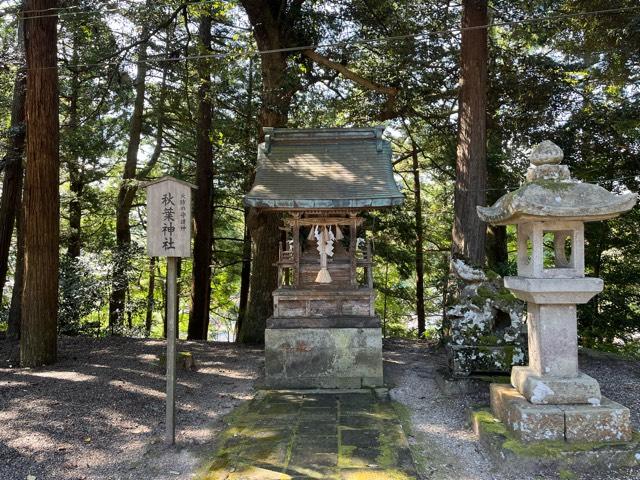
(581, 389)
(607, 422)
(527, 421)
(184, 361)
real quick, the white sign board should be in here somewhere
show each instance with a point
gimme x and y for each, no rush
(169, 218)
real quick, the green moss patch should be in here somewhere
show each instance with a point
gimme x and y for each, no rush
(564, 457)
(273, 436)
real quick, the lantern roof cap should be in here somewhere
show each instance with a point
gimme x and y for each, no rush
(549, 193)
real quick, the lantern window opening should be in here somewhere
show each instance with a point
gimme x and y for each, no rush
(557, 248)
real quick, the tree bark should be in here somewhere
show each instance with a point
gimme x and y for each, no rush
(126, 195)
(13, 170)
(245, 274)
(76, 185)
(38, 337)
(497, 253)
(419, 246)
(265, 234)
(203, 205)
(469, 233)
(15, 311)
(270, 26)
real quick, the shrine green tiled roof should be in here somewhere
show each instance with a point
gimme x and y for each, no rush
(324, 169)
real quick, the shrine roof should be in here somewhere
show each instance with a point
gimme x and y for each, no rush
(324, 169)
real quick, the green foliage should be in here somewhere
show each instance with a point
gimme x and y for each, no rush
(83, 290)
(570, 80)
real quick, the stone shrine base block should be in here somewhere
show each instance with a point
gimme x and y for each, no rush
(323, 357)
(607, 422)
(555, 390)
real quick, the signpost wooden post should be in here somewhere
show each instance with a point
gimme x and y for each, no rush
(169, 235)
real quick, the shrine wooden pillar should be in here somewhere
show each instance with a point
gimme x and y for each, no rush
(353, 245)
(295, 231)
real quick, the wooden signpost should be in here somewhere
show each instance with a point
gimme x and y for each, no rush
(169, 235)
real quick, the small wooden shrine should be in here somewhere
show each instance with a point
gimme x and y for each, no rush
(324, 332)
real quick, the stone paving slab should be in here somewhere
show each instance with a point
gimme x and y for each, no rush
(341, 436)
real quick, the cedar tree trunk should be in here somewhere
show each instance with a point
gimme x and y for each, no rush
(270, 26)
(13, 171)
(419, 243)
(38, 336)
(15, 311)
(469, 233)
(203, 205)
(76, 185)
(126, 195)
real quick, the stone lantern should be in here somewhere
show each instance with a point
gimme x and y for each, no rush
(550, 398)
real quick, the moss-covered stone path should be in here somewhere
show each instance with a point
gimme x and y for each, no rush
(323, 435)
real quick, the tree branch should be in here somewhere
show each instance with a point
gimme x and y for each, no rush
(350, 74)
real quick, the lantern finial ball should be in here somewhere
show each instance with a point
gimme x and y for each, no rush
(546, 153)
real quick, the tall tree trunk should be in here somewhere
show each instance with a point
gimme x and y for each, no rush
(276, 100)
(76, 185)
(13, 168)
(245, 274)
(38, 336)
(76, 188)
(469, 233)
(265, 234)
(126, 195)
(15, 311)
(203, 205)
(497, 253)
(150, 296)
(419, 242)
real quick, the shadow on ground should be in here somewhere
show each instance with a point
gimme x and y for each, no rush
(98, 413)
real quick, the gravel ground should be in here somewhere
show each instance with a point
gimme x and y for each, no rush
(440, 423)
(99, 412)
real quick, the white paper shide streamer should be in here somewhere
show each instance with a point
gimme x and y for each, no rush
(325, 239)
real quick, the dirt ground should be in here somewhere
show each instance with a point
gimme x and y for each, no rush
(440, 423)
(99, 412)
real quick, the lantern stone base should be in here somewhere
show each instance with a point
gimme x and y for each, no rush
(323, 357)
(556, 458)
(553, 390)
(529, 422)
